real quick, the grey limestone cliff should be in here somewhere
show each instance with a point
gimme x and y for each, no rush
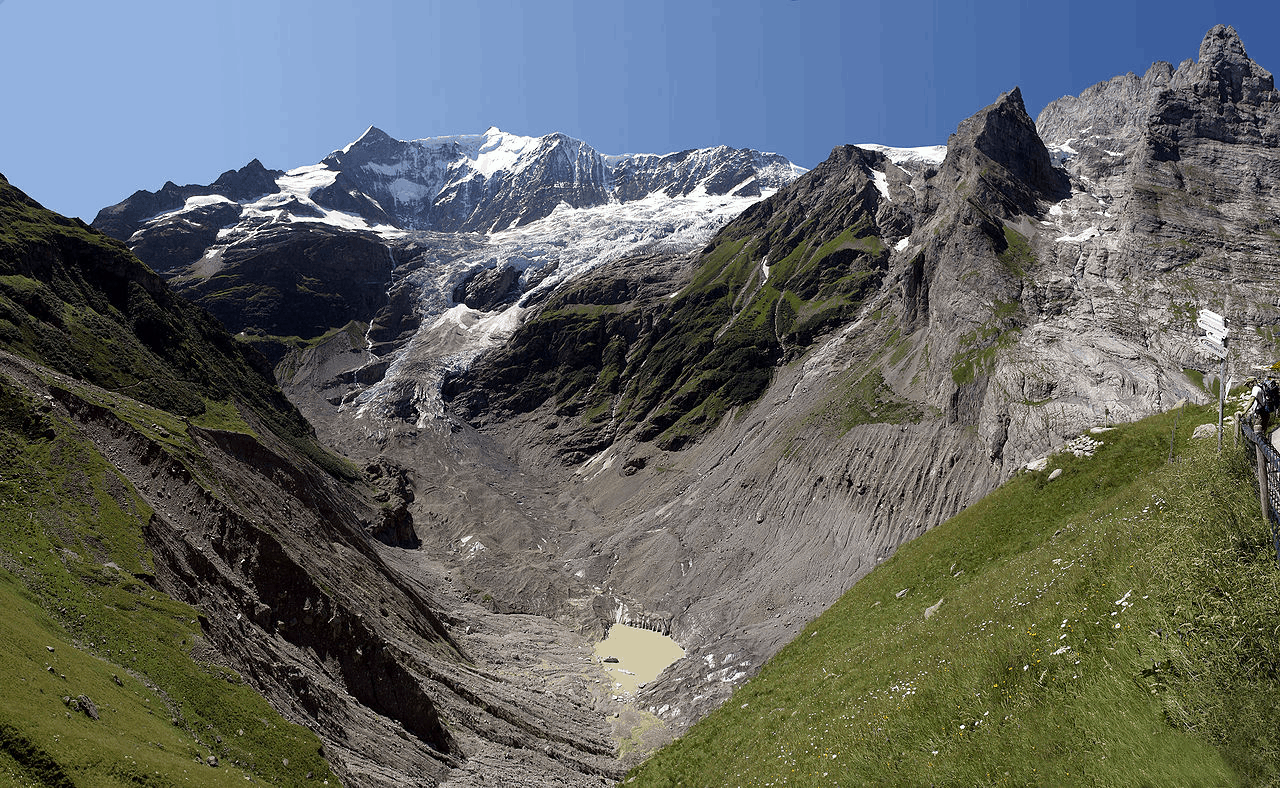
(1041, 280)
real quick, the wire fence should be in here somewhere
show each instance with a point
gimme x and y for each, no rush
(1267, 463)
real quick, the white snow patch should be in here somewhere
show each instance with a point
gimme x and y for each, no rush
(204, 199)
(499, 151)
(604, 467)
(1084, 235)
(191, 203)
(903, 244)
(302, 181)
(928, 154)
(1061, 152)
(882, 183)
(407, 191)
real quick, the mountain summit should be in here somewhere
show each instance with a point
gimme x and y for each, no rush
(394, 234)
(1223, 64)
(468, 182)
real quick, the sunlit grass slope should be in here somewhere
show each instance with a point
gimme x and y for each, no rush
(1116, 626)
(79, 618)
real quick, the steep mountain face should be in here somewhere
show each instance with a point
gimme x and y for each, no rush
(1174, 178)
(300, 281)
(147, 454)
(984, 307)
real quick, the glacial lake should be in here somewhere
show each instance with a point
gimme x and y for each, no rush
(641, 653)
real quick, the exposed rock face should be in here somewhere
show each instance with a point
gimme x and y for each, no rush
(294, 281)
(122, 220)
(1026, 292)
(1003, 136)
(395, 494)
(1172, 188)
(177, 243)
(488, 289)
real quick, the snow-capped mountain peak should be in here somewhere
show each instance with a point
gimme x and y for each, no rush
(477, 226)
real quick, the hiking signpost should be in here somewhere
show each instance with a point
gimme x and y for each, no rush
(1214, 342)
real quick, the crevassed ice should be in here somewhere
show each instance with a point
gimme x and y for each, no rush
(574, 241)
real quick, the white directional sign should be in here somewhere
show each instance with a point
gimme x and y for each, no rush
(1213, 347)
(1215, 327)
(1215, 344)
(1214, 324)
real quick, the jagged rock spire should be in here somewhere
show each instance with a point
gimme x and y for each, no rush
(1004, 134)
(1224, 70)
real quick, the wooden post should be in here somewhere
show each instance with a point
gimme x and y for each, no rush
(1178, 412)
(1222, 397)
(1264, 494)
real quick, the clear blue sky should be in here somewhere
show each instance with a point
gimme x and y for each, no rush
(103, 97)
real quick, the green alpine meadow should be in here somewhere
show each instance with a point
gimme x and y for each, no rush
(1113, 626)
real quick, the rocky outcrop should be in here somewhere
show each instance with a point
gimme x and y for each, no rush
(172, 245)
(122, 220)
(719, 170)
(395, 493)
(1007, 162)
(488, 288)
(295, 281)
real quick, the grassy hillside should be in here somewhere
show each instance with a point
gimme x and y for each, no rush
(1116, 626)
(80, 619)
(80, 303)
(83, 628)
(772, 281)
